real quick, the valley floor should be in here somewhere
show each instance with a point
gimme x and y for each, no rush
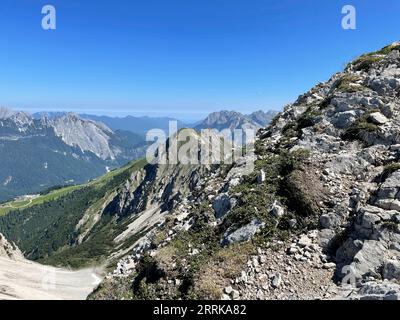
(27, 280)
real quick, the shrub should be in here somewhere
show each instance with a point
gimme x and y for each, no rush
(348, 84)
(365, 62)
(360, 127)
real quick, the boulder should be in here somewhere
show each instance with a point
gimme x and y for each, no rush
(277, 210)
(377, 118)
(391, 270)
(276, 280)
(221, 205)
(388, 204)
(345, 119)
(329, 221)
(378, 291)
(368, 260)
(244, 233)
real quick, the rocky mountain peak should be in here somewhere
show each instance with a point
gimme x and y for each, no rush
(86, 134)
(6, 113)
(235, 120)
(20, 118)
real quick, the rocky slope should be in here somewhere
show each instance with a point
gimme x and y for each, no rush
(322, 208)
(39, 153)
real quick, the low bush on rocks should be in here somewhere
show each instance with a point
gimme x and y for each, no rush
(365, 62)
(359, 128)
(348, 83)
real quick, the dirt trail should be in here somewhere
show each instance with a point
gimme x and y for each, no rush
(23, 279)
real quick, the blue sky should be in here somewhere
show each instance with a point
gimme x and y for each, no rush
(182, 58)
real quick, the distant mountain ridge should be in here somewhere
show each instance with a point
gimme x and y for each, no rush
(141, 125)
(138, 125)
(235, 120)
(38, 153)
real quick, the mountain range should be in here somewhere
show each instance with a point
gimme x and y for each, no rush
(235, 120)
(317, 218)
(141, 125)
(40, 153)
(48, 149)
(137, 125)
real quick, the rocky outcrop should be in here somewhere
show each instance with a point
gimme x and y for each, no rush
(86, 134)
(350, 126)
(318, 218)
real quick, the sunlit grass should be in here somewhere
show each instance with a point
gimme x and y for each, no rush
(53, 195)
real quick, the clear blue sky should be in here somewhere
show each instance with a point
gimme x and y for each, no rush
(180, 57)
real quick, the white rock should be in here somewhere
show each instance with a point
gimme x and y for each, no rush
(228, 290)
(378, 118)
(276, 280)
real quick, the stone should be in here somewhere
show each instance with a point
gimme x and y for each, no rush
(329, 221)
(276, 280)
(329, 265)
(225, 297)
(261, 177)
(234, 182)
(277, 210)
(377, 118)
(244, 233)
(325, 237)
(292, 223)
(345, 119)
(228, 290)
(235, 294)
(391, 270)
(304, 241)
(221, 205)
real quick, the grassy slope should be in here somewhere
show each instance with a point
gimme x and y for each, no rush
(56, 194)
(45, 229)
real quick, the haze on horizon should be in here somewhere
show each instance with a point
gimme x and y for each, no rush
(178, 58)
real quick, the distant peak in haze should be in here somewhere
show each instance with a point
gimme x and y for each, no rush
(227, 119)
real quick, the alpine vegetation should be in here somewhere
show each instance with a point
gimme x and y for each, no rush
(316, 217)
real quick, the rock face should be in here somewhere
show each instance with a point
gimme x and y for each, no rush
(9, 250)
(350, 126)
(86, 134)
